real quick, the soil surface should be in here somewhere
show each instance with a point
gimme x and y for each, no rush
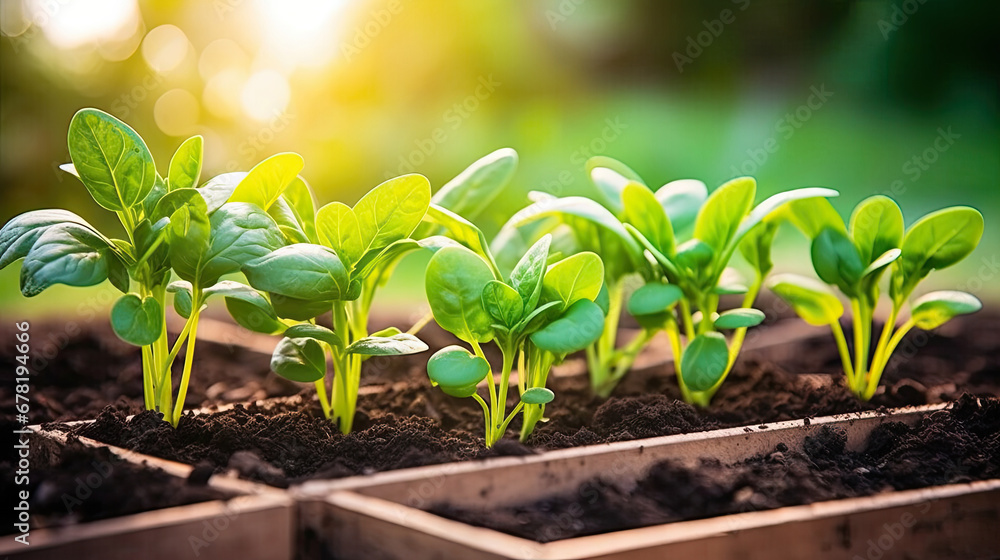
(958, 445)
(78, 483)
(404, 422)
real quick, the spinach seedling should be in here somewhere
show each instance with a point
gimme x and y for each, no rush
(537, 315)
(338, 259)
(676, 244)
(854, 257)
(169, 224)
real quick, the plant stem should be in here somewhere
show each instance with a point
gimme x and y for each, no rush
(845, 353)
(686, 318)
(508, 364)
(882, 356)
(491, 384)
(860, 355)
(486, 419)
(188, 360)
(419, 325)
(147, 377)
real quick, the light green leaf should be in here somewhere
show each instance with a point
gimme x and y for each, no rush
(611, 185)
(876, 227)
(462, 231)
(457, 371)
(812, 216)
(613, 164)
(573, 278)
(883, 261)
(721, 215)
(170, 202)
(318, 332)
(580, 326)
(219, 189)
(773, 203)
(739, 318)
(391, 211)
(302, 271)
(932, 310)
(299, 359)
(812, 300)
(268, 180)
(66, 253)
(136, 320)
(940, 239)
(475, 189)
(537, 395)
(299, 197)
(185, 166)
(455, 280)
(643, 211)
(681, 200)
(288, 221)
(337, 228)
(503, 303)
(705, 361)
(395, 345)
(111, 159)
(579, 207)
(654, 298)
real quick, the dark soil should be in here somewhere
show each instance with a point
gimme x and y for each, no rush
(78, 483)
(958, 445)
(410, 424)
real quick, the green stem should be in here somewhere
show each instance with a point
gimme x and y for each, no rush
(882, 358)
(845, 353)
(508, 365)
(321, 394)
(486, 419)
(491, 384)
(860, 353)
(678, 352)
(189, 356)
(147, 377)
(419, 325)
(686, 318)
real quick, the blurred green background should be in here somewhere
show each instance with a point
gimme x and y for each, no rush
(893, 97)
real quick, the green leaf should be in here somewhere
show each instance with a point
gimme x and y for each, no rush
(170, 202)
(573, 278)
(268, 179)
(503, 303)
(611, 185)
(538, 318)
(302, 271)
(643, 211)
(812, 300)
(253, 317)
(395, 345)
(111, 159)
(154, 195)
(579, 207)
(118, 274)
(660, 258)
(940, 239)
(391, 211)
(318, 332)
(883, 261)
(288, 221)
(299, 359)
(22, 231)
(613, 164)
(457, 371)
(681, 200)
(219, 189)
(462, 231)
(876, 227)
(537, 395)
(455, 280)
(238, 291)
(812, 216)
(756, 247)
(475, 189)
(240, 233)
(580, 326)
(773, 203)
(720, 216)
(739, 318)
(136, 320)
(182, 297)
(932, 310)
(299, 197)
(185, 166)
(66, 253)
(527, 275)
(654, 298)
(694, 255)
(189, 232)
(836, 260)
(298, 309)
(705, 361)
(337, 227)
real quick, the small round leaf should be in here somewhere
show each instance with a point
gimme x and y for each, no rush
(654, 298)
(455, 370)
(705, 361)
(299, 359)
(137, 321)
(932, 310)
(739, 318)
(537, 395)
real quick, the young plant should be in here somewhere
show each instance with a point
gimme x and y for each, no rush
(169, 225)
(537, 315)
(676, 244)
(340, 256)
(853, 258)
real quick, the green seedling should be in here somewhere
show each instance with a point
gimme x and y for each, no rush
(676, 245)
(170, 224)
(854, 257)
(537, 315)
(338, 258)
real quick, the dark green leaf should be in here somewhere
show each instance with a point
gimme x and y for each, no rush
(580, 326)
(182, 297)
(705, 361)
(836, 260)
(455, 280)
(739, 318)
(303, 271)
(66, 253)
(503, 303)
(20, 233)
(136, 320)
(253, 317)
(318, 332)
(527, 275)
(876, 227)
(299, 359)
(654, 298)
